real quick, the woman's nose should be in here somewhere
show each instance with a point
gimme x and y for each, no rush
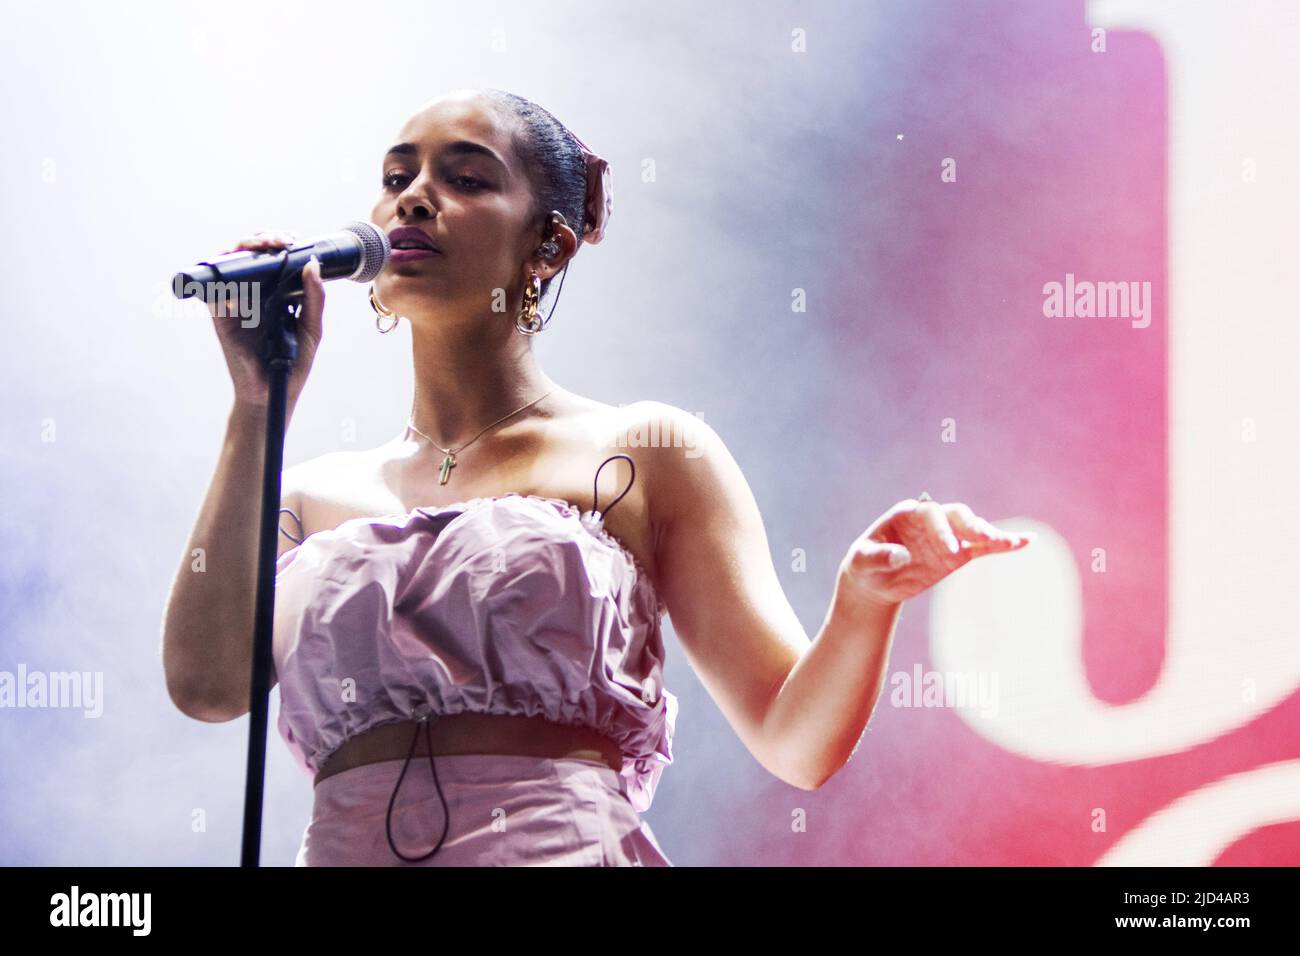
(414, 203)
(414, 208)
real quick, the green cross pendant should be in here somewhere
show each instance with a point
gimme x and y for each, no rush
(444, 472)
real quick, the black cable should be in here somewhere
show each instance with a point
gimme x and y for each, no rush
(595, 481)
(301, 529)
(388, 819)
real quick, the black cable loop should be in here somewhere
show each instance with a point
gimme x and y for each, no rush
(301, 530)
(596, 482)
(446, 816)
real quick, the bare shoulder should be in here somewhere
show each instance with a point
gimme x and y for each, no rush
(687, 463)
(689, 472)
(321, 476)
(312, 488)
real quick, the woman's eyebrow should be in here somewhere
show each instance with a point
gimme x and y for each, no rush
(456, 147)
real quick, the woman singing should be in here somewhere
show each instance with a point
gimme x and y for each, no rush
(468, 617)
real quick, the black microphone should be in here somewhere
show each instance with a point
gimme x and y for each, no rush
(358, 251)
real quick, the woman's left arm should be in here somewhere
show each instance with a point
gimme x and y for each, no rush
(800, 706)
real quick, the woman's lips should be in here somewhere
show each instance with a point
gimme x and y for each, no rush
(410, 255)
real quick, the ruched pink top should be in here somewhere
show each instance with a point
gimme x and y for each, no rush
(514, 604)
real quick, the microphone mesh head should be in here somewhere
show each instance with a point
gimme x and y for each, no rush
(375, 249)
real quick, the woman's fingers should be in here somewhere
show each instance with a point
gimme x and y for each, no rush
(977, 531)
(267, 241)
(947, 526)
(934, 522)
(277, 238)
(313, 298)
(880, 556)
(259, 241)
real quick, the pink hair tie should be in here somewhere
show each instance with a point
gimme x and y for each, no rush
(599, 201)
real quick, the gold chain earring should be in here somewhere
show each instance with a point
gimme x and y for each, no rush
(527, 322)
(382, 312)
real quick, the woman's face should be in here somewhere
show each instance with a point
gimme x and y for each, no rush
(453, 175)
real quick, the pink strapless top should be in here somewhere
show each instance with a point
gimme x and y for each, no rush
(514, 604)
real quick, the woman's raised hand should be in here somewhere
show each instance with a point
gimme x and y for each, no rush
(241, 334)
(916, 544)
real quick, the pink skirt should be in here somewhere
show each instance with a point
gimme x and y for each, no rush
(504, 810)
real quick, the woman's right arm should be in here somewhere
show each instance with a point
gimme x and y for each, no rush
(207, 644)
(207, 641)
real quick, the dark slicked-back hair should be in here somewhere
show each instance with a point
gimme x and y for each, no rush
(553, 159)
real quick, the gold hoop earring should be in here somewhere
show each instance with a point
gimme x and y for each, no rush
(527, 322)
(381, 312)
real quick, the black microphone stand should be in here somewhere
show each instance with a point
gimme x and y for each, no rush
(279, 353)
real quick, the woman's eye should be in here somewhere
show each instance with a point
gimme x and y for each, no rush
(396, 180)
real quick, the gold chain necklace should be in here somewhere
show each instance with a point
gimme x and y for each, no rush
(449, 461)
